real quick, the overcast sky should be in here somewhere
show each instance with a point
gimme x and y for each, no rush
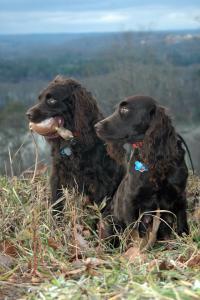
(51, 16)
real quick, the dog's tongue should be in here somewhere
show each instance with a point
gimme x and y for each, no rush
(59, 120)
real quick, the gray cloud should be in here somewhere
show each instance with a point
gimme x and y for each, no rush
(87, 16)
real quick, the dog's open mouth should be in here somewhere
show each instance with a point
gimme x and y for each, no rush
(48, 128)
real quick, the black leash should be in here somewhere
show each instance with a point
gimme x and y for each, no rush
(188, 151)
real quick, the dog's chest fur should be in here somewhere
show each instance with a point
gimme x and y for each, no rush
(138, 193)
(87, 169)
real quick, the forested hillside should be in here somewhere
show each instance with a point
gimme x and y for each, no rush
(165, 65)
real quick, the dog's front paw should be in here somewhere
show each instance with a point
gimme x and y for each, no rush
(144, 225)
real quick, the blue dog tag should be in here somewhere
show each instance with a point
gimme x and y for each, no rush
(139, 166)
(66, 151)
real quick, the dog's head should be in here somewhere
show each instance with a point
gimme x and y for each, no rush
(130, 120)
(140, 118)
(69, 102)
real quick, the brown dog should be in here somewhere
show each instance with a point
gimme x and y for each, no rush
(156, 174)
(83, 161)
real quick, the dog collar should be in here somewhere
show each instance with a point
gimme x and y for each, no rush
(66, 150)
(76, 133)
(137, 145)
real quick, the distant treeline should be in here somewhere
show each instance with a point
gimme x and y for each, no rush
(165, 65)
(34, 57)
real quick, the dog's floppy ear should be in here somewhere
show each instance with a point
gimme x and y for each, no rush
(160, 143)
(86, 114)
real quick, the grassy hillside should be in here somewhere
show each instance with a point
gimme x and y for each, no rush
(41, 258)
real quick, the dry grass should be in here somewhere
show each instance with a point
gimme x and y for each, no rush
(44, 258)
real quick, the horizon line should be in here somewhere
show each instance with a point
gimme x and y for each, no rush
(102, 32)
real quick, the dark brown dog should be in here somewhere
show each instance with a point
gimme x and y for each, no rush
(83, 162)
(156, 174)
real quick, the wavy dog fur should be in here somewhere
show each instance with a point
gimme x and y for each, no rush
(140, 118)
(160, 148)
(89, 168)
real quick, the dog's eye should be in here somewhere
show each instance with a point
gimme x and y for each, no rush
(123, 103)
(51, 101)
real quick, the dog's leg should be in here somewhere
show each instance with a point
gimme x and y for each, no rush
(166, 225)
(110, 230)
(149, 211)
(56, 192)
(144, 224)
(182, 224)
